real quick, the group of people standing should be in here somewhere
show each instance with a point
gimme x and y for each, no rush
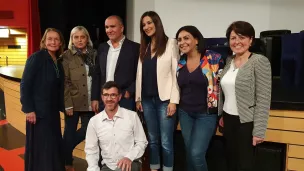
(161, 78)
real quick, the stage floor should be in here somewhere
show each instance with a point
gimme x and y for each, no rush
(12, 150)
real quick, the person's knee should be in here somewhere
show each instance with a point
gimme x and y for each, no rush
(153, 142)
(197, 156)
(167, 146)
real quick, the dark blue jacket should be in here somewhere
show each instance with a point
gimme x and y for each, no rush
(40, 89)
(125, 72)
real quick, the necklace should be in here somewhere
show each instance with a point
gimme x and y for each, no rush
(56, 69)
(235, 67)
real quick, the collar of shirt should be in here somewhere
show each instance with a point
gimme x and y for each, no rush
(118, 114)
(120, 43)
(74, 51)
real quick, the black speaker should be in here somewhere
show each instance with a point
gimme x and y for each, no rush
(257, 46)
(270, 157)
(272, 42)
(269, 33)
(282, 97)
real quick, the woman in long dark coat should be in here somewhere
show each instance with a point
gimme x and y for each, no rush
(42, 99)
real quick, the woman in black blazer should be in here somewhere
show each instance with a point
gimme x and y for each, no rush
(246, 85)
(41, 91)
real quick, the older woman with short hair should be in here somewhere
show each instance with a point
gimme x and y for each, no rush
(78, 64)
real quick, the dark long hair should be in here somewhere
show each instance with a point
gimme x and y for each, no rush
(160, 37)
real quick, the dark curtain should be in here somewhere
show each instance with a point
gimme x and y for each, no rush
(66, 14)
(33, 32)
(52, 15)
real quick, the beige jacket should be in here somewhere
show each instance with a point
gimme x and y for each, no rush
(75, 84)
(166, 74)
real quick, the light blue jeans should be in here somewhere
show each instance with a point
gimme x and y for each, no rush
(197, 130)
(160, 132)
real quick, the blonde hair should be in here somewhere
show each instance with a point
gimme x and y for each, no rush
(85, 31)
(42, 42)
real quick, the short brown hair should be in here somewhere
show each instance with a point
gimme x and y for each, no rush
(42, 42)
(241, 27)
(110, 84)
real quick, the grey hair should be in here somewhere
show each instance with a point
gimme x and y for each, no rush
(85, 31)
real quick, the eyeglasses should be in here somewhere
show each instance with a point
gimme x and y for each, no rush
(112, 96)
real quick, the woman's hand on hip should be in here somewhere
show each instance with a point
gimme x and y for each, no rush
(171, 109)
(69, 112)
(257, 140)
(31, 117)
(139, 107)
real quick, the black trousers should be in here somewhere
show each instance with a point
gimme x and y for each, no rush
(239, 148)
(73, 136)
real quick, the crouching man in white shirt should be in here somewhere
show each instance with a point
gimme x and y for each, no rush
(119, 134)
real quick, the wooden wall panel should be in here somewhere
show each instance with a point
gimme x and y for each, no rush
(296, 151)
(290, 124)
(295, 164)
(287, 137)
(15, 56)
(287, 113)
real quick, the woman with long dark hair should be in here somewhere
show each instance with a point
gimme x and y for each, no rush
(157, 92)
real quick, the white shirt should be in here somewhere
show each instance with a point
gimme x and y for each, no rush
(89, 85)
(122, 136)
(228, 87)
(112, 57)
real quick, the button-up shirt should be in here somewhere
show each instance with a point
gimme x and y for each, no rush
(112, 58)
(122, 136)
(89, 83)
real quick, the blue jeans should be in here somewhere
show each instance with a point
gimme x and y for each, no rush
(160, 129)
(72, 137)
(197, 130)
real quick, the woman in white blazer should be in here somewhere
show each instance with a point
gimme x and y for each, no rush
(157, 92)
